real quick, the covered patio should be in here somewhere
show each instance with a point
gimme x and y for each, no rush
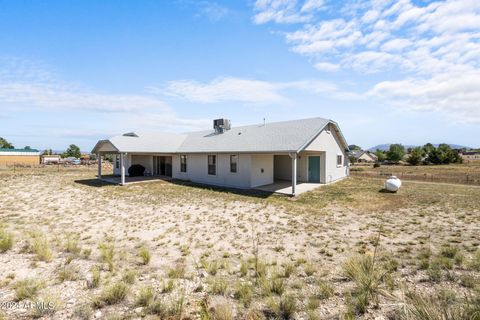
(285, 187)
(132, 180)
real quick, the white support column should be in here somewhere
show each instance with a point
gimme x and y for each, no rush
(122, 168)
(294, 173)
(99, 160)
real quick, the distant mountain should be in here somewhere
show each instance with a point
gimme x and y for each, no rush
(386, 146)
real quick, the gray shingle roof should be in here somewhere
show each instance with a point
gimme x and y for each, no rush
(286, 136)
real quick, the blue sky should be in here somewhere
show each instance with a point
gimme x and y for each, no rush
(386, 71)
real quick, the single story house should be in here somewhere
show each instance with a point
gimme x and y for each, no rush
(364, 156)
(470, 155)
(19, 157)
(309, 150)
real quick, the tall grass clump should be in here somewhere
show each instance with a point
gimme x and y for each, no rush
(144, 254)
(112, 294)
(6, 240)
(27, 289)
(107, 252)
(283, 307)
(40, 246)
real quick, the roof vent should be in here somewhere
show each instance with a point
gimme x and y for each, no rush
(130, 134)
(221, 125)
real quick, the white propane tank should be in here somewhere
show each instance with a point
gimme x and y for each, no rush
(393, 184)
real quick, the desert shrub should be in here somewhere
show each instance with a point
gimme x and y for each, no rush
(324, 290)
(67, 272)
(144, 254)
(475, 261)
(71, 245)
(145, 296)
(243, 268)
(178, 272)
(223, 311)
(449, 251)
(368, 280)
(107, 252)
(288, 270)
(243, 293)
(218, 286)
(111, 294)
(129, 276)
(83, 311)
(271, 285)
(167, 310)
(94, 281)
(417, 307)
(40, 246)
(6, 240)
(309, 269)
(26, 289)
(168, 286)
(283, 307)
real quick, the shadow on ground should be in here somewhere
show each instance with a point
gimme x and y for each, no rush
(242, 192)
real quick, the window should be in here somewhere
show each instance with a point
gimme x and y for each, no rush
(117, 162)
(183, 163)
(339, 160)
(233, 163)
(212, 165)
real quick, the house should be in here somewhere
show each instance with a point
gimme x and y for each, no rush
(470, 155)
(19, 157)
(364, 156)
(310, 151)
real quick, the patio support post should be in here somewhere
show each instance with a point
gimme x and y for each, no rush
(122, 168)
(99, 160)
(294, 173)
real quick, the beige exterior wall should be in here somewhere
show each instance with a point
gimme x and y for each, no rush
(197, 170)
(261, 171)
(330, 145)
(21, 160)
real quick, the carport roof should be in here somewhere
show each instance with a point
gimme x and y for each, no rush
(285, 136)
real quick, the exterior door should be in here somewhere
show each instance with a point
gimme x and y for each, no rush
(314, 169)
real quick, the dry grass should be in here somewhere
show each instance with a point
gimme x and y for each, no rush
(158, 249)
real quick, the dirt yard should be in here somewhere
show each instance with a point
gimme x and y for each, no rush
(73, 247)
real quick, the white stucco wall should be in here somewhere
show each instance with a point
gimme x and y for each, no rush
(197, 170)
(259, 177)
(329, 142)
(144, 160)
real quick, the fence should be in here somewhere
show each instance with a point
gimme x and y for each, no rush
(460, 178)
(19, 167)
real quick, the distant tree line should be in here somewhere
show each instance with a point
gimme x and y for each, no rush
(428, 154)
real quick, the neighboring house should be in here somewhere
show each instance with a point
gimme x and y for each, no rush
(51, 158)
(470, 155)
(19, 157)
(364, 156)
(310, 150)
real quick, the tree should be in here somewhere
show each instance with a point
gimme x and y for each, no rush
(352, 159)
(381, 156)
(395, 153)
(5, 144)
(354, 147)
(72, 151)
(47, 152)
(416, 156)
(27, 148)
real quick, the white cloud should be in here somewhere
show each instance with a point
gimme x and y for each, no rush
(426, 42)
(284, 11)
(240, 90)
(327, 66)
(458, 97)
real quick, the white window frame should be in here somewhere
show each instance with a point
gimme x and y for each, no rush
(208, 164)
(236, 163)
(186, 163)
(341, 160)
(117, 161)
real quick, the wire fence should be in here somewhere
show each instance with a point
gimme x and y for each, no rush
(459, 178)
